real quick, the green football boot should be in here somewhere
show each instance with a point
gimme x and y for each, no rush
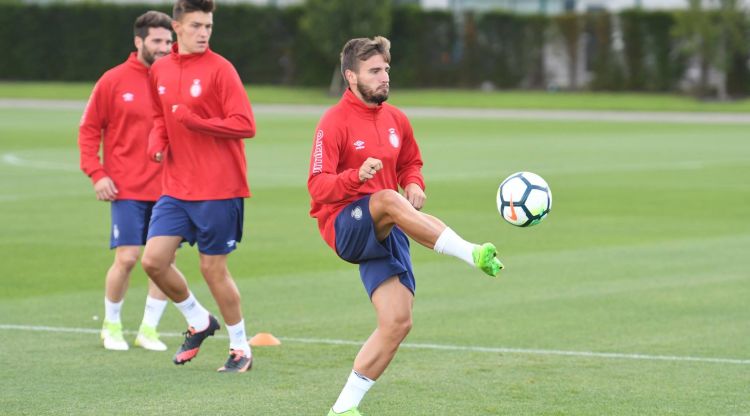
(148, 338)
(111, 336)
(485, 258)
(351, 412)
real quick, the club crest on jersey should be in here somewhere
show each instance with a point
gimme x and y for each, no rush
(359, 145)
(162, 89)
(357, 213)
(393, 137)
(128, 97)
(195, 89)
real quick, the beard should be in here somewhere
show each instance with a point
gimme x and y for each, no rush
(149, 57)
(373, 96)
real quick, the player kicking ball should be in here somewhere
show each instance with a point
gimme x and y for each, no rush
(363, 151)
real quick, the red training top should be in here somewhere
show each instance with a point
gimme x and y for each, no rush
(202, 115)
(347, 135)
(120, 115)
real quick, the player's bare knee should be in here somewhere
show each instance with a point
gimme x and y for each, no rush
(390, 202)
(387, 197)
(153, 266)
(396, 327)
(213, 270)
(127, 259)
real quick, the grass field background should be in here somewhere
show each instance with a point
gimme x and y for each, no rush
(645, 252)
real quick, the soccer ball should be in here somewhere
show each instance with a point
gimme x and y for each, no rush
(524, 199)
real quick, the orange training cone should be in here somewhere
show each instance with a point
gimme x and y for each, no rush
(263, 339)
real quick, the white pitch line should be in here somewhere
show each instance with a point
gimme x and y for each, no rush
(13, 160)
(443, 347)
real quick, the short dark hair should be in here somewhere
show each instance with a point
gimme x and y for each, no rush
(362, 49)
(188, 6)
(151, 19)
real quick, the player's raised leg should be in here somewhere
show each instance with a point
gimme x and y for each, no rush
(389, 208)
(227, 296)
(157, 262)
(116, 284)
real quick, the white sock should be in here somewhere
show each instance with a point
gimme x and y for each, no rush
(452, 244)
(354, 390)
(238, 338)
(195, 314)
(112, 310)
(153, 311)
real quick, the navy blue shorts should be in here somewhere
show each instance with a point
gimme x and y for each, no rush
(129, 222)
(216, 224)
(357, 243)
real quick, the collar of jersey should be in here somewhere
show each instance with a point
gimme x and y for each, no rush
(185, 58)
(136, 64)
(360, 107)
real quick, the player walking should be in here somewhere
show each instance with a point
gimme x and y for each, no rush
(119, 116)
(203, 114)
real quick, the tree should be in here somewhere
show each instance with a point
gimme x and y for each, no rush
(330, 23)
(570, 27)
(713, 36)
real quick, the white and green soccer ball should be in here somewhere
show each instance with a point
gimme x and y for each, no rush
(524, 199)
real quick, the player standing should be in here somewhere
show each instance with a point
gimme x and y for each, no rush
(202, 116)
(120, 116)
(363, 151)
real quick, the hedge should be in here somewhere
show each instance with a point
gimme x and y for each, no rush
(78, 42)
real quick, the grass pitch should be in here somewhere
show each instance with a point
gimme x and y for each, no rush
(631, 298)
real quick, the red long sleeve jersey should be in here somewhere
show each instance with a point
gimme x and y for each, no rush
(346, 136)
(202, 115)
(119, 116)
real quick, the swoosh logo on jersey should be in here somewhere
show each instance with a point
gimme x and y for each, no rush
(513, 216)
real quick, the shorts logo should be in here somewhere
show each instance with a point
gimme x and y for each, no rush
(115, 232)
(231, 243)
(128, 97)
(393, 138)
(357, 213)
(195, 89)
(359, 145)
(162, 89)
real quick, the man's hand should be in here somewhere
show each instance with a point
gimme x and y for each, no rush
(369, 168)
(180, 111)
(415, 195)
(105, 189)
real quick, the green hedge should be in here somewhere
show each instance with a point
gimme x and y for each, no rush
(78, 42)
(422, 46)
(651, 58)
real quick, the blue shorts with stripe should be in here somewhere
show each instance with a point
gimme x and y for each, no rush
(356, 242)
(216, 225)
(130, 221)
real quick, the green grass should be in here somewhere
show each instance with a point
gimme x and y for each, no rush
(262, 94)
(645, 252)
